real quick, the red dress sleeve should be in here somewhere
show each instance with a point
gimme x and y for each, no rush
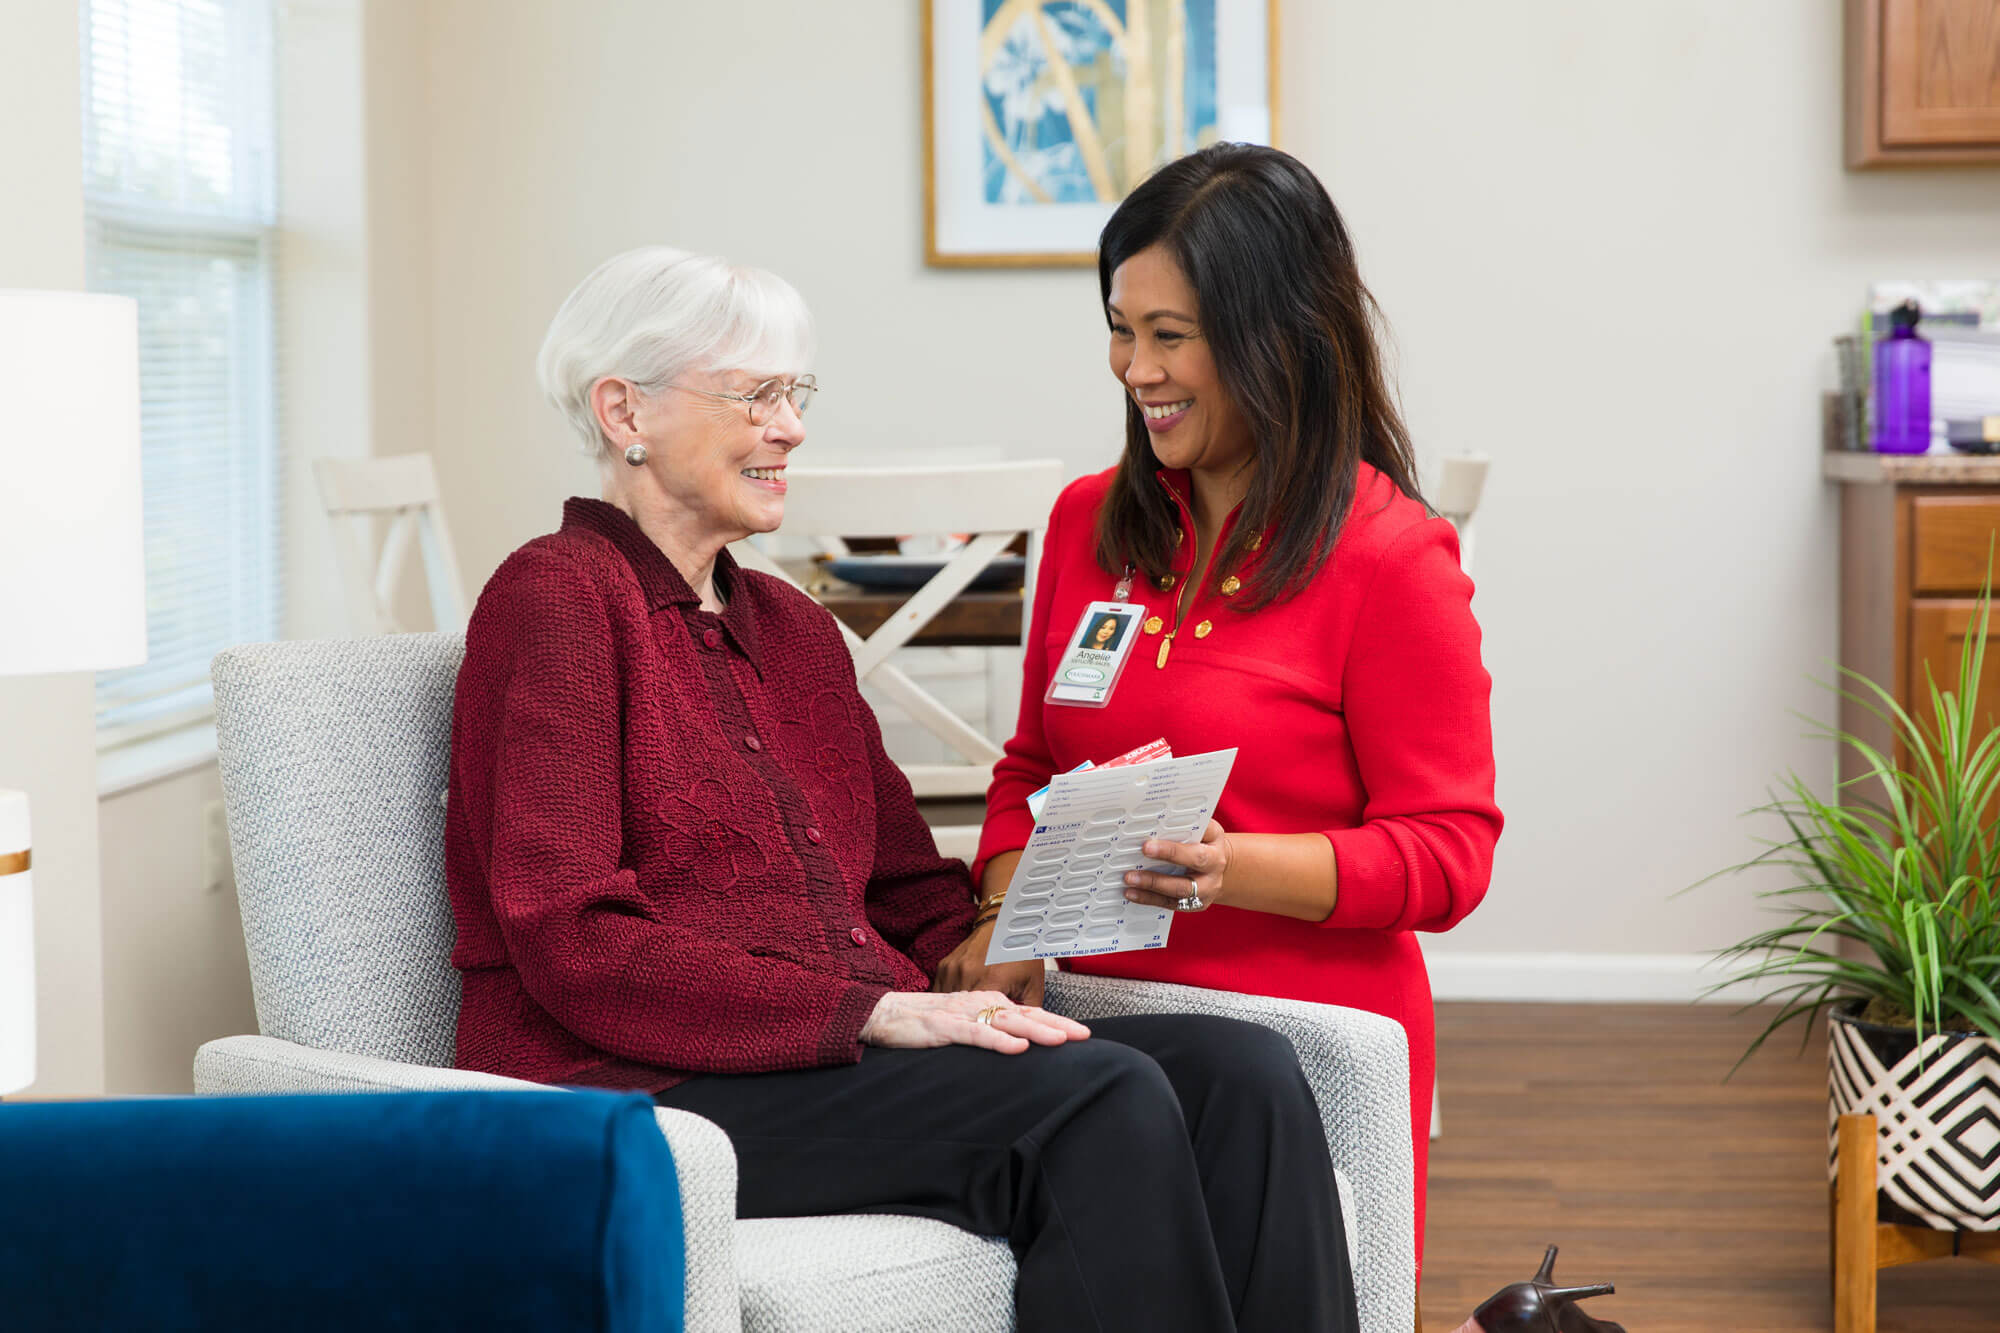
(1416, 699)
(540, 784)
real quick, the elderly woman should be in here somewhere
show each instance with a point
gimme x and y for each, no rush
(680, 861)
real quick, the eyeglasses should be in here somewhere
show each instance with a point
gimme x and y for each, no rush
(764, 399)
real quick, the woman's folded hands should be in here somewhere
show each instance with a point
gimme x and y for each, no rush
(985, 1018)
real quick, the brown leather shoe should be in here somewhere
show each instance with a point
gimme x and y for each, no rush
(1540, 1306)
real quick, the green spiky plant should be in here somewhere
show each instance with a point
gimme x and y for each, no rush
(1902, 867)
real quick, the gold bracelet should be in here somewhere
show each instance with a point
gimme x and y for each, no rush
(992, 899)
(979, 921)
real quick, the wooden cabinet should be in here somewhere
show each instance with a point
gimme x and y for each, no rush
(1923, 82)
(1938, 630)
(1914, 542)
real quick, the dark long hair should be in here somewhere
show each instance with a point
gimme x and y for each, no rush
(1292, 330)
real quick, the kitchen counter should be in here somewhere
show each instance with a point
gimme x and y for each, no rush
(1911, 469)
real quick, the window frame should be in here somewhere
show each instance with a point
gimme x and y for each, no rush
(243, 230)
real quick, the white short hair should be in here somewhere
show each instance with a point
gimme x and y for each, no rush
(655, 314)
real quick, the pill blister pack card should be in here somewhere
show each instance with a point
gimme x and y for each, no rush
(1067, 897)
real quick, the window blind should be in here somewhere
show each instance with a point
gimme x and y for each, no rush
(180, 211)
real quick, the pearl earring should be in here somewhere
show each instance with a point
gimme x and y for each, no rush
(636, 455)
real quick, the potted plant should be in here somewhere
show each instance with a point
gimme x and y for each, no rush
(1893, 926)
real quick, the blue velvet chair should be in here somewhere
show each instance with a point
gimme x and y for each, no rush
(433, 1210)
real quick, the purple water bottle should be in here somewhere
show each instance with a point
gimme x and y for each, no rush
(1903, 386)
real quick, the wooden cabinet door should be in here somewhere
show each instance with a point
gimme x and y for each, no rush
(1940, 73)
(1938, 631)
(1955, 540)
(1923, 82)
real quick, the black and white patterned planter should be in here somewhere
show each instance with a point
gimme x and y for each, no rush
(1937, 1120)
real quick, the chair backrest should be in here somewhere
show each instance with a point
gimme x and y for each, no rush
(403, 490)
(1461, 483)
(334, 754)
(995, 503)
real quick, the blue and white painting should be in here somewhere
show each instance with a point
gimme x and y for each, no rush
(1044, 114)
(1082, 99)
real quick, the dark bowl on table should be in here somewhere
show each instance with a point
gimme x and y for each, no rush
(907, 573)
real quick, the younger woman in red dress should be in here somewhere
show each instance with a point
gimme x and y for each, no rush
(1303, 606)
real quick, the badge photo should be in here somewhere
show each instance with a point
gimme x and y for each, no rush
(1095, 655)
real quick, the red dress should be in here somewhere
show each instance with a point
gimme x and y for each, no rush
(1359, 710)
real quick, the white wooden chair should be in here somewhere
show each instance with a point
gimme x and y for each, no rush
(1461, 485)
(995, 502)
(403, 490)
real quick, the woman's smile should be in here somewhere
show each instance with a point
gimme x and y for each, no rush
(1164, 416)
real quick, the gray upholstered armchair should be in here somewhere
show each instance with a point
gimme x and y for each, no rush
(334, 757)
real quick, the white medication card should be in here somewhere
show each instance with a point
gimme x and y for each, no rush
(1067, 897)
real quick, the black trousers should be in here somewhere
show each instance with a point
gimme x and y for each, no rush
(1169, 1173)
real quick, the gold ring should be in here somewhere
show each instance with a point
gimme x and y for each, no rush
(13, 863)
(986, 1015)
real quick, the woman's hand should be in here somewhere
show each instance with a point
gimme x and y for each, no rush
(914, 1021)
(1206, 861)
(964, 968)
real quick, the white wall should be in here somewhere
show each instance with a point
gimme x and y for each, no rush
(777, 133)
(175, 973)
(46, 726)
(1613, 242)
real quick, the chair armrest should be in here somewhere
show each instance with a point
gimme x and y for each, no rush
(1358, 1065)
(269, 1065)
(705, 1165)
(704, 1162)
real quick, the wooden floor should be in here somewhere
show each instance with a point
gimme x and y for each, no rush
(1607, 1130)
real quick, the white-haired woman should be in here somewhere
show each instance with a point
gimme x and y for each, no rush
(680, 861)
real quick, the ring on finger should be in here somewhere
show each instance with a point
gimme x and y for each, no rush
(986, 1015)
(1191, 903)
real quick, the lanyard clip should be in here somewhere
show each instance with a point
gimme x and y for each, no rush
(1123, 591)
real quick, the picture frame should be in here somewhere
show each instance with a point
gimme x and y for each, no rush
(1026, 156)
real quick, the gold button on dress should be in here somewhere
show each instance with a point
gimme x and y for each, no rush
(1230, 585)
(1153, 624)
(1201, 631)
(1164, 582)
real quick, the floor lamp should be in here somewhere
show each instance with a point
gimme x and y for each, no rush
(72, 557)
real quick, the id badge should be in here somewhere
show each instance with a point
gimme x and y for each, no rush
(1095, 654)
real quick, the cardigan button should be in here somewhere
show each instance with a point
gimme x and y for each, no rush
(752, 744)
(712, 638)
(814, 836)
(859, 936)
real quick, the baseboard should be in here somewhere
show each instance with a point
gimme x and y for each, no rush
(1578, 978)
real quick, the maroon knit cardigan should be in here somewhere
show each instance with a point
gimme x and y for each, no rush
(673, 842)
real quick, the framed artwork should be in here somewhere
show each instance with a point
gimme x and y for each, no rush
(1040, 115)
